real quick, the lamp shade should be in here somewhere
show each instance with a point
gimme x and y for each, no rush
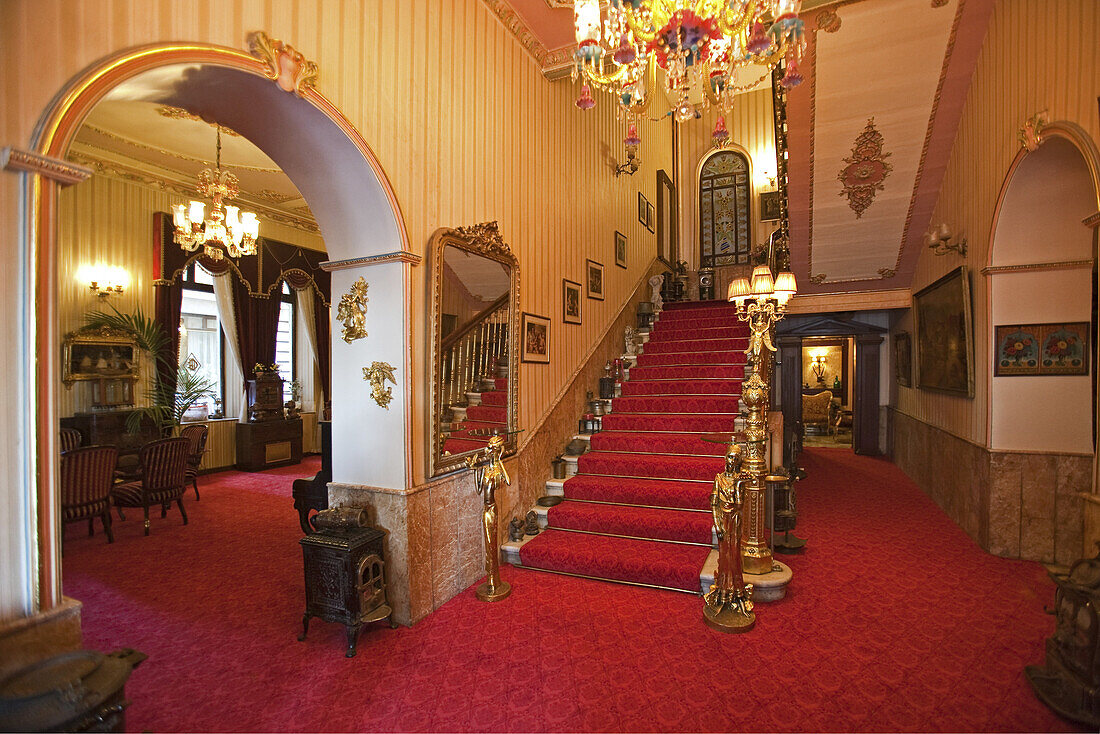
(739, 290)
(785, 286)
(762, 284)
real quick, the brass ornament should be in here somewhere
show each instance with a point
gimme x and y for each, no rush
(485, 237)
(352, 310)
(489, 476)
(286, 66)
(378, 374)
(728, 606)
(1030, 133)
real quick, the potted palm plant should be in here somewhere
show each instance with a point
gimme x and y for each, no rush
(166, 406)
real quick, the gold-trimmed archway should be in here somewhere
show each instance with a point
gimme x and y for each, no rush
(52, 136)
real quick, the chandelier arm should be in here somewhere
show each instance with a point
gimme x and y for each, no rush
(732, 22)
(650, 82)
(599, 78)
(640, 32)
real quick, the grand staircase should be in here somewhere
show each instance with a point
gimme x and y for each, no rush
(638, 509)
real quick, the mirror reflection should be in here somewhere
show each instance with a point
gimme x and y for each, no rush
(474, 396)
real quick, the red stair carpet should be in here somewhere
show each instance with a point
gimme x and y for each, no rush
(491, 413)
(895, 621)
(638, 510)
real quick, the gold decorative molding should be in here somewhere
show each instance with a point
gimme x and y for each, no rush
(887, 273)
(171, 153)
(382, 259)
(1092, 221)
(1030, 133)
(285, 65)
(850, 301)
(178, 113)
(64, 172)
(1035, 267)
(554, 64)
(485, 237)
(377, 374)
(352, 310)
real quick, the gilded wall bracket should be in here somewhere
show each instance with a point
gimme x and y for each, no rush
(352, 311)
(378, 374)
(286, 66)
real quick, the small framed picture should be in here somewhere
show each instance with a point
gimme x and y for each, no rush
(903, 358)
(536, 338)
(594, 279)
(643, 208)
(650, 216)
(620, 249)
(769, 206)
(570, 301)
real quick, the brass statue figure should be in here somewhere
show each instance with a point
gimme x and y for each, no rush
(728, 605)
(489, 476)
(352, 311)
(377, 374)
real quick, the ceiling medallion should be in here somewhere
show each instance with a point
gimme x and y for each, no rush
(700, 45)
(866, 170)
(286, 66)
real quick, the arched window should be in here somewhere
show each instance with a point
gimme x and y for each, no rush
(724, 223)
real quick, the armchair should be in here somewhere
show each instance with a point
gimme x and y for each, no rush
(196, 436)
(70, 439)
(163, 479)
(86, 477)
(816, 410)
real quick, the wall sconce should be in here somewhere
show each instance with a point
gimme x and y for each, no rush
(818, 367)
(939, 241)
(632, 141)
(105, 280)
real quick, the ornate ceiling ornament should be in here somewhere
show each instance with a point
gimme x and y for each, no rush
(378, 374)
(828, 21)
(939, 3)
(485, 237)
(1030, 133)
(178, 113)
(286, 66)
(352, 310)
(887, 273)
(276, 196)
(818, 279)
(866, 170)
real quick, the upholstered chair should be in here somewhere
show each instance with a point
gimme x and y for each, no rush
(196, 436)
(70, 439)
(86, 477)
(815, 410)
(163, 479)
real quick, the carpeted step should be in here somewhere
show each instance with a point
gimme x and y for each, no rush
(715, 332)
(677, 423)
(692, 358)
(691, 404)
(658, 443)
(695, 322)
(647, 562)
(634, 522)
(672, 346)
(462, 445)
(672, 493)
(647, 465)
(469, 425)
(501, 383)
(637, 388)
(488, 413)
(689, 372)
(497, 398)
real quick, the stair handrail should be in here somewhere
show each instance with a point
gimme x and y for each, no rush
(473, 351)
(488, 311)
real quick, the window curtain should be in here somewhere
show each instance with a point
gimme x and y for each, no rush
(257, 322)
(223, 301)
(324, 347)
(310, 312)
(168, 305)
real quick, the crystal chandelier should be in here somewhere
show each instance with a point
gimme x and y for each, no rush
(227, 231)
(699, 45)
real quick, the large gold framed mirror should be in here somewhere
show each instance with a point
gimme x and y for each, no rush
(475, 343)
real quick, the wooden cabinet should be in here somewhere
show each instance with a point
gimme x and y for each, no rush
(269, 444)
(108, 428)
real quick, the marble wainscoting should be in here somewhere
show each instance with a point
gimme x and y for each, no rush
(27, 640)
(1026, 505)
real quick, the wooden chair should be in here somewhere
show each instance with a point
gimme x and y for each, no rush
(86, 477)
(196, 437)
(815, 410)
(163, 479)
(70, 439)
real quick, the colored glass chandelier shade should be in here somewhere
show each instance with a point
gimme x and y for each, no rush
(698, 44)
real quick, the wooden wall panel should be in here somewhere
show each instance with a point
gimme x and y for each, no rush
(1038, 55)
(459, 115)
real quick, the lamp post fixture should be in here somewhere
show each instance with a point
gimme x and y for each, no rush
(761, 303)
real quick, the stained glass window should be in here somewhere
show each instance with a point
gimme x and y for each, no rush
(724, 234)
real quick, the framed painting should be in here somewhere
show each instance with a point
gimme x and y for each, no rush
(1041, 349)
(594, 279)
(650, 215)
(95, 354)
(620, 249)
(536, 338)
(643, 208)
(769, 206)
(903, 359)
(570, 301)
(944, 327)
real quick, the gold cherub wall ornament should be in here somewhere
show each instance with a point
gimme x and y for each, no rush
(352, 310)
(378, 374)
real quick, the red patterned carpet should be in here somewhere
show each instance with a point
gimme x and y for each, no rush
(895, 621)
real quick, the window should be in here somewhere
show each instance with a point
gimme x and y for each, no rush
(201, 337)
(724, 236)
(285, 339)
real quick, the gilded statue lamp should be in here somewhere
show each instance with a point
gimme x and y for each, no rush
(727, 607)
(489, 476)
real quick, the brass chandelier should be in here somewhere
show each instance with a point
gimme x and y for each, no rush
(698, 44)
(227, 230)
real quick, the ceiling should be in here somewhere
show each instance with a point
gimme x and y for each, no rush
(870, 128)
(167, 147)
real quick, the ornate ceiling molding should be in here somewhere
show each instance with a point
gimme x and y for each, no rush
(64, 172)
(554, 64)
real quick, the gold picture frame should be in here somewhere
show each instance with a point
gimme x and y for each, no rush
(99, 354)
